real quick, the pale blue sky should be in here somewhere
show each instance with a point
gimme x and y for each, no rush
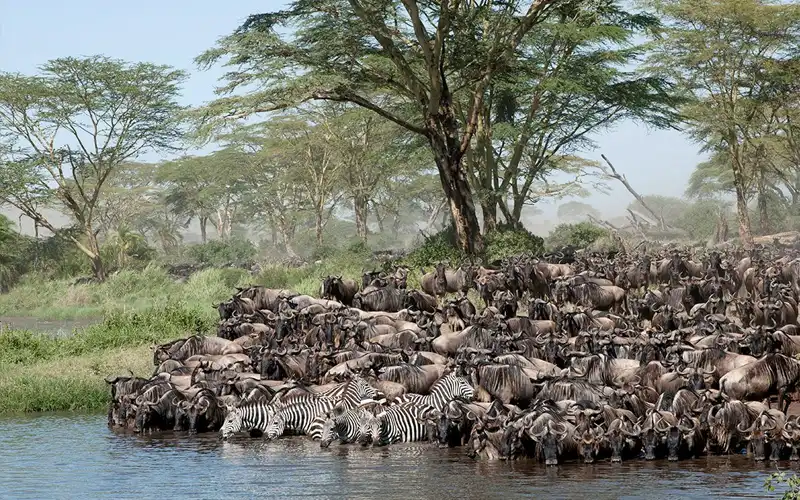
(175, 31)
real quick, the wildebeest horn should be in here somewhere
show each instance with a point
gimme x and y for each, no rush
(687, 429)
(748, 429)
(658, 424)
(712, 371)
(635, 432)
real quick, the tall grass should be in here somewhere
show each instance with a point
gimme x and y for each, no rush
(136, 309)
(40, 372)
(152, 287)
(68, 383)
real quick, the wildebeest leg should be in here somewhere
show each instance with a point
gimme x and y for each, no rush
(783, 400)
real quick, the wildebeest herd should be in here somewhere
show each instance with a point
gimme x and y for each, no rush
(582, 356)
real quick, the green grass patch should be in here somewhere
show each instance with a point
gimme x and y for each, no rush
(41, 372)
(44, 372)
(68, 383)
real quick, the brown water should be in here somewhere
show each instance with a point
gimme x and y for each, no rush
(77, 456)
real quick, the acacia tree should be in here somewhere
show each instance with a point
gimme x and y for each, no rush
(371, 152)
(420, 53)
(211, 187)
(567, 82)
(720, 52)
(576, 211)
(73, 126)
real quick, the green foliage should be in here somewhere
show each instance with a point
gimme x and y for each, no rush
(127, 250)
(119, 329)
(506, 241)
(700, 219)
(14, 256)
(222, 252)
(791, 485)
(71, 127)
(57, 257)
(579, 235)
(439, 247)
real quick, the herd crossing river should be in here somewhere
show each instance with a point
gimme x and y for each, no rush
(70, 456)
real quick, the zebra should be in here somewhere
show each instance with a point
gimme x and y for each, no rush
(334, 393)
(442, 392)
(348, 394)
(340, 424)
(400, 423)
(247, 417)
(297, 417)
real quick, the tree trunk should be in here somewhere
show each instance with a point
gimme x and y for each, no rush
(458, 194)
(379, 217)
(360, 209)
(93, 247)
(318, 225)
(743, 217)
(203, 228)
(489, 209)
(763, 214)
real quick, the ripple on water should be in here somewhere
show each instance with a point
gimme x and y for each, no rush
(76, 456)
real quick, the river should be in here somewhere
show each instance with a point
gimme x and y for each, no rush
(76, 456)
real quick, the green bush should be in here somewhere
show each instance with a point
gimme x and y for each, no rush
(440, 247)
(506, 241)
(220, 253)
(58, 257)
(118, 329)
(791, 485)
(579, 235)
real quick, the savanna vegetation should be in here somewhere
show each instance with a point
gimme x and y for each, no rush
(342, 128)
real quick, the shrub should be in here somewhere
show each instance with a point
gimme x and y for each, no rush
(790, 484)
(440, 247)
(220, 253)
(579, 235)
(57, 257)
(506, 241)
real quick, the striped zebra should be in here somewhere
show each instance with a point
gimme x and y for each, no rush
(334, 393)
(400, 423)
(442, 392)
(356, 391)
(297, 417)
(347, 394)
(343, 425)
(248, 417)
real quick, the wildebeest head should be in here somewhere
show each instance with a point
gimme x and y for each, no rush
(617, 438)
(588, 442)
(440, 277)
(674, 440)
(549, 441)
(697, 377)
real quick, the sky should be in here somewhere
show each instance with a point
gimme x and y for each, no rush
(174, 32)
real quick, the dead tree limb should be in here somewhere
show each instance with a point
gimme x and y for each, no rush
(637, 224)
(602, 223)
(624, 181)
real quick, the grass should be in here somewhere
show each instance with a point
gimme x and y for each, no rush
(135, 309)
(152, 287)
(40, 372)
(68, 383)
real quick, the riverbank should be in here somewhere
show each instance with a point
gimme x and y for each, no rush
(48, 369)
(43, 372)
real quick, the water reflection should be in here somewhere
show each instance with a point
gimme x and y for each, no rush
(76, 456)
